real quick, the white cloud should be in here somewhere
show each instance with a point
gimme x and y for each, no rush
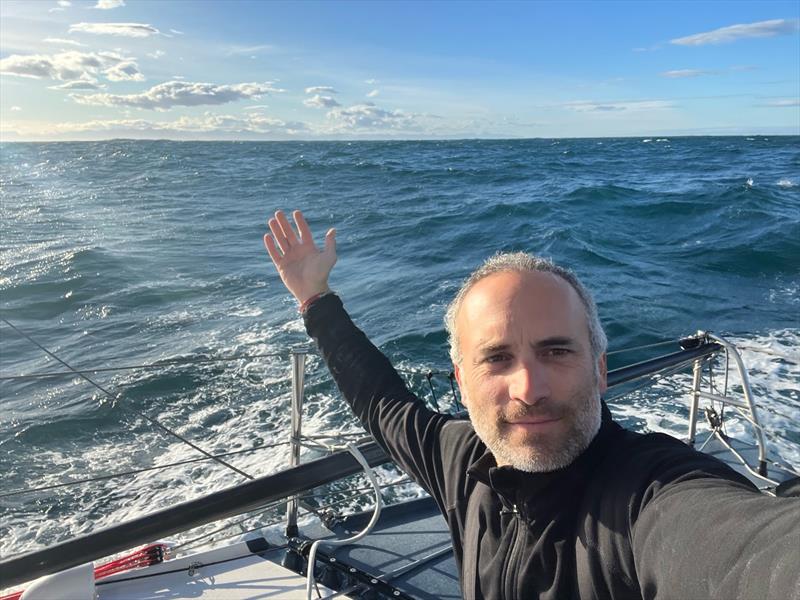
(683, 73)
(124, 71)
(635, 105)
(176, 32)
(207, 124)
(736, 32)
(247, 50)
(65, 42)
(369, 117)
(134, 30)
(157, 54)
(179, 93)
(16, 108)
(370, 81)
(80, 84)
(109, 4)
(321, 89)
(72, 65)
(373, 93)
(785, 102)
(318, 101)
(256, 107)
(62, 5)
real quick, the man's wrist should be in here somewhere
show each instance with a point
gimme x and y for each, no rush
(305, 304)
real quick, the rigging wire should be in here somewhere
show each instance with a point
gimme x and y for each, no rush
(155, 365)
(140, 413)
(137, 471)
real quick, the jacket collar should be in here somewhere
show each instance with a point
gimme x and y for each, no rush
(516, 486)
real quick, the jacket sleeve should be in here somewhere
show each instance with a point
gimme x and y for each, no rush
(705, 532)
(415, 437)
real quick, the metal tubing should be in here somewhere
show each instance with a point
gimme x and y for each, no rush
(723, 399)
(298, 391)
(748, 396)
(160, 525)
(697, 372)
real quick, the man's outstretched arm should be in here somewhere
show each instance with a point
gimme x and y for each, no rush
(400, 423)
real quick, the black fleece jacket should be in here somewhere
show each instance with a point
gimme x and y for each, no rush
(635, 516)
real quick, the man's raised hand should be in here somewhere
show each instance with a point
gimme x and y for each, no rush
(303, 268)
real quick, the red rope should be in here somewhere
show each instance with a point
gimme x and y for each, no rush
(143, 557)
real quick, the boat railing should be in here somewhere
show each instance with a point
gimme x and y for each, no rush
(299, 478)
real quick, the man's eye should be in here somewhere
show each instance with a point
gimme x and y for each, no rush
(558, 351)
(495, 358)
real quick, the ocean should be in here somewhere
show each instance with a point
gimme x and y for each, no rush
(128, 253)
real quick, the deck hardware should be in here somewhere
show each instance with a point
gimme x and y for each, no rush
(298, 391)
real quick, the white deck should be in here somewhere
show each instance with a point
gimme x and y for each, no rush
(245, 577)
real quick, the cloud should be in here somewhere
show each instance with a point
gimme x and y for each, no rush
(72, 65)
(109, 4)
(206, 124)
(736, 32)
(16, 108)
(64, 42)
(785, 102)
(62, 5)
(180, 93)
(256, 107)
(635, 105)
(176, 32)
(318, 101)
(370, 81)
(247, 50)
(157, 54)
(124, 71)
(369, 117)
(373, 93)
(80, 84)
(684, 73)
(321, 89)
(134, 30)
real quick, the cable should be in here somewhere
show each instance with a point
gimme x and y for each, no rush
(156, 365)
(312, 555)
(141, 414)
(137, 471)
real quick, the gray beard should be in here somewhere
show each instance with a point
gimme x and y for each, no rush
(543, 457)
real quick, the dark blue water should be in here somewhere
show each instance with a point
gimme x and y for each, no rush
(128, 252)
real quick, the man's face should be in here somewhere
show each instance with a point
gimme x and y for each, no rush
(527, 375)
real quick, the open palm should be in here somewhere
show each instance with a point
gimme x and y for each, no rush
(303, 268)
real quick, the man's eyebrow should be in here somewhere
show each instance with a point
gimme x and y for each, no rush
(490, 347)
(555, 341)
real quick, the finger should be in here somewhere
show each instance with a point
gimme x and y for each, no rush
(272, 249)
(277, 233)
(302, 227)
(330, 242)
(287, 228)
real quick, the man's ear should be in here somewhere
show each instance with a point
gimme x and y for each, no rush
(457, 373)
(602, 374)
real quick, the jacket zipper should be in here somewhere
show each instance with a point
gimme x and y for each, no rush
(511, 567)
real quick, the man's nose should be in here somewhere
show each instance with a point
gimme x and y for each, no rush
(529, 383)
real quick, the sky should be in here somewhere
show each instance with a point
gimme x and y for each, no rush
(229, 70)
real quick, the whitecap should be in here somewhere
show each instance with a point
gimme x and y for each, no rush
(749, 182)
(786, 183)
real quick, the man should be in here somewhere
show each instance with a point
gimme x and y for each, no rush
(544, 494)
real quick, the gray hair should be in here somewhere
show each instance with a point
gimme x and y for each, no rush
(523, 262)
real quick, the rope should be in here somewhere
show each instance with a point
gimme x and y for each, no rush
(623, 350)
(113, 398)
(312, 555)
